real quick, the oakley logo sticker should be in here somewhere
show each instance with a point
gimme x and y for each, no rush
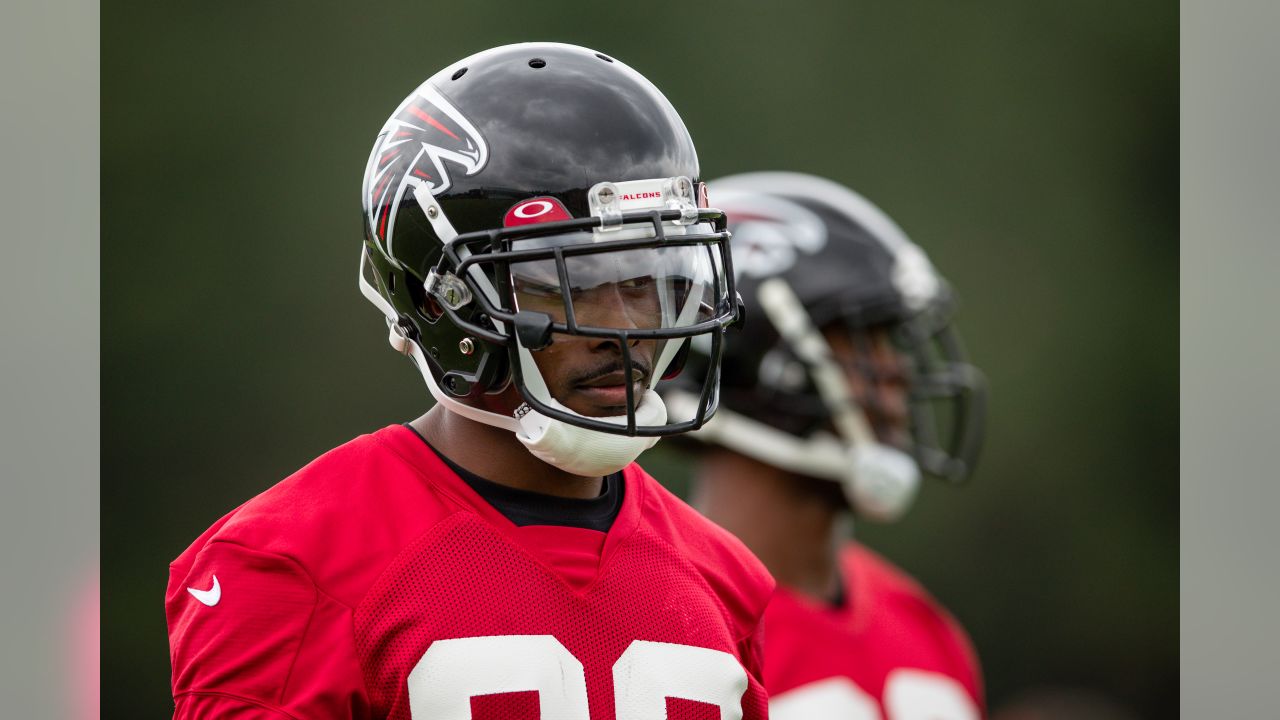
(536, 210)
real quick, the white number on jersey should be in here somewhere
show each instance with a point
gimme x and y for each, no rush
(451, 672)
(908, 695)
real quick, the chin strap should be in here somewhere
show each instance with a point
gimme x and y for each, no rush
(879, 480)
(580, 451)
(573, 449)
(881, 485)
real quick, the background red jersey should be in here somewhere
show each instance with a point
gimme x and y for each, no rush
(375, 583)
(890, 653)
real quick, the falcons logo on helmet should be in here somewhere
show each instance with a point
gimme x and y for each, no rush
(769, 234)
(416, 148)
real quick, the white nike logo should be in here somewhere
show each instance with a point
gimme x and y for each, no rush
(209, 597)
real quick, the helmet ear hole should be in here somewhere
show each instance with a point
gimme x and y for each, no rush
(430, 309)
(678, 361)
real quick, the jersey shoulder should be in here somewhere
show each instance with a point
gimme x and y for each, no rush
(733, 572)
(872, 581)
(877, 573)
(881, 579)
(338, 518)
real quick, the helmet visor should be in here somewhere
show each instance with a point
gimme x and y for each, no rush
(667, 287)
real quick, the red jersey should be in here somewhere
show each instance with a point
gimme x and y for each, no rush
(890, 653)
(375, 583)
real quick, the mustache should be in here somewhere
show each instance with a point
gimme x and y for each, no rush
(615, 366)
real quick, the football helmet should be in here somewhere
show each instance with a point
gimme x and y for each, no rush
(850, 369)
(538, 201)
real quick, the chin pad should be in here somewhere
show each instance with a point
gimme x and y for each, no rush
(882, 481)
(589, 453)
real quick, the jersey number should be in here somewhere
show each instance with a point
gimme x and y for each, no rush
(908, 695)
(452, 672)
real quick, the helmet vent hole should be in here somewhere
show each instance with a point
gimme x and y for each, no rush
(391, 283)
(537, 63)
(460, 73)
(605, 58)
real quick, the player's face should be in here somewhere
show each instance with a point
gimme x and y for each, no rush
(587, 374)
(875, 371)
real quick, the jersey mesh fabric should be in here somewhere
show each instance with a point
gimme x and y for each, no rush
(336, 581)
(435, 590)
(889, 623)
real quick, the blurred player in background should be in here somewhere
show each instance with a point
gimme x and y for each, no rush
(535, 241)
(846, 385)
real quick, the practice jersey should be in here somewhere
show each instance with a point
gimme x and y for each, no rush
(890, 652)
(375, 583)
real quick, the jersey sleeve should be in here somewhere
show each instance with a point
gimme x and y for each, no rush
(251, 636)
(211, 706)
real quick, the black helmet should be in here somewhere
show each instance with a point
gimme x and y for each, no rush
(501, 197)
(814, 258)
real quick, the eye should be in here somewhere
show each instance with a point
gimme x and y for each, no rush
(636, 283)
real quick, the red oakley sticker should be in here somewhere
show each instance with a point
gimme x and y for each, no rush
(536, 210)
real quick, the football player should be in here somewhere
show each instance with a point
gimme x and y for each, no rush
(846, 385)
(535, 240)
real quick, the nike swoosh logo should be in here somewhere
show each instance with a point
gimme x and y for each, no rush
(209, 597)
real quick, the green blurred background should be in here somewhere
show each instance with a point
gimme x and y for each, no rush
(1029, 147)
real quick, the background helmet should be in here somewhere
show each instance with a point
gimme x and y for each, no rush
(814, 258)
(499, 197)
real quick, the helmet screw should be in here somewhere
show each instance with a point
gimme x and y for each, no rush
(432, 211)
(606, 195)
(467, 346)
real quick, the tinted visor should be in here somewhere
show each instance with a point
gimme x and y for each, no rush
(668, 286)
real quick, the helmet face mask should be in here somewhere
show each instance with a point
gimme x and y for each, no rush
(636, 299)
(534, 237)
(948, 397)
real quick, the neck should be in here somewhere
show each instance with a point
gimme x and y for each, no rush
(791, 528)
(496, 455)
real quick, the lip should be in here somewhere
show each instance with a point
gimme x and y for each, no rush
(616, 378)
(610, 397)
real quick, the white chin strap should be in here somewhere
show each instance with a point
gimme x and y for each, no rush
(879, 480)
(580, 451)
(573, 449)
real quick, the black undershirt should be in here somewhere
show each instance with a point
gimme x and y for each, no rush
(524, 507)
(838, 599)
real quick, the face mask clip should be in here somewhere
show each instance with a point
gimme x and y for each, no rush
(448, 289)
(605, 202)
(533, 329)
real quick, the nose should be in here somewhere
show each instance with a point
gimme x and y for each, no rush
(605, 307)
